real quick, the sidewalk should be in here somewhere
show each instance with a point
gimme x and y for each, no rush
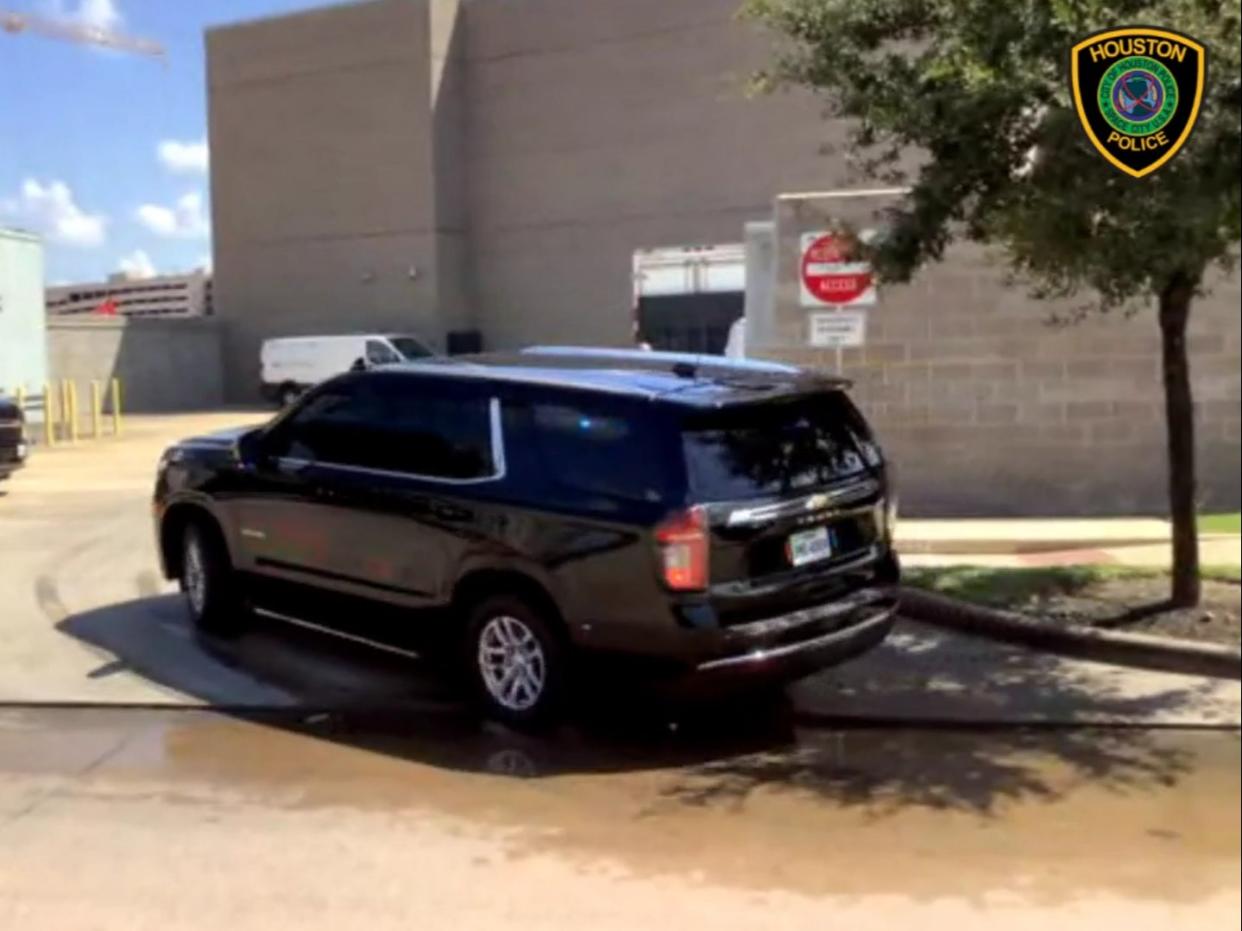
(1053, 541)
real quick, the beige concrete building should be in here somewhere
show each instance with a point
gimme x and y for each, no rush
(445, 165)
(491, 164)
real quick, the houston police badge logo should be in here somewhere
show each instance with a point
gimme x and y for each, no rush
(1137, 92)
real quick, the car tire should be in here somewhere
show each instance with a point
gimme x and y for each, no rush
(209, 582)
(516, 660)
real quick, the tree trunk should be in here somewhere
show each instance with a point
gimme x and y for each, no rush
(1180, 424)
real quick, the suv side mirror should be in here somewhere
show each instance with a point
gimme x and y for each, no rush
(251, 449)
(360, 365)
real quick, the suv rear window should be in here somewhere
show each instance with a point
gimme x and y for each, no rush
(755, 450)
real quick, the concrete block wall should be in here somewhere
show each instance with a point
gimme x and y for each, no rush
(989, 409)
(164, 365)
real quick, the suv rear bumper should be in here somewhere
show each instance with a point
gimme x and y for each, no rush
(802, 642)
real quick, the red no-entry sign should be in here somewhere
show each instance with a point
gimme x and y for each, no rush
(829, 277)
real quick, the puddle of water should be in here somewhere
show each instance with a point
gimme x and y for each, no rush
(1045, 815)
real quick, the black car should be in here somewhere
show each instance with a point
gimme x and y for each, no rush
(732, 520)
(13, 448)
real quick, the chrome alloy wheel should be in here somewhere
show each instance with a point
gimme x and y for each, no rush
(194, 576)
(512, 663)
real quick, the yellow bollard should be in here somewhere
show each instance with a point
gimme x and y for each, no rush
(49, 415)
(96, 411)
(70, 428)
(116, 407)
(73, 412)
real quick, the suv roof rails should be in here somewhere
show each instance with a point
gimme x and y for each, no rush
(665, 361)
(741, 372)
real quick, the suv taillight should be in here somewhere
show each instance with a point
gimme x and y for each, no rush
(683, 543)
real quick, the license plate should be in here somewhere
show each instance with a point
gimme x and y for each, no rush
(809, 546)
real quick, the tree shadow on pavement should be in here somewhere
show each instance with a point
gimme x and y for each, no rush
(933, 675)
(977, 725)
(975, 770)
(926, 721)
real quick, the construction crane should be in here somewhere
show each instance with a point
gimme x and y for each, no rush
(81, 33)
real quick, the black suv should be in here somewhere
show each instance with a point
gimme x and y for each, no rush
(728, 519)
(12, 438)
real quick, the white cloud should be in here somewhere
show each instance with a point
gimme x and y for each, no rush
(137, 265)
(186, 219)
(50, 209)
(103, 14)
(205, 263)
(98, 14)
(183, 157)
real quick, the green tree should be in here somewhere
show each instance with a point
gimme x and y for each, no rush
(968, 101)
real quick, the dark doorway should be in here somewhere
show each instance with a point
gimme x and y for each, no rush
(689, 322)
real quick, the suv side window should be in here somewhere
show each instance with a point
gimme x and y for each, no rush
(379, 353)
(331, 426)
(405, 425)
(599, 447)
(434, 428)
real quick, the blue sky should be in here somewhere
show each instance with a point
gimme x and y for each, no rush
(104, 153)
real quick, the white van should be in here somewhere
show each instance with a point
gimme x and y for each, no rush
(290, 366)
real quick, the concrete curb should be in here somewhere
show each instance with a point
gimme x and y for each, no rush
(1106, 646)
(1009, 547)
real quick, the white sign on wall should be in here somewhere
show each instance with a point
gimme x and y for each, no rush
(838, 329)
